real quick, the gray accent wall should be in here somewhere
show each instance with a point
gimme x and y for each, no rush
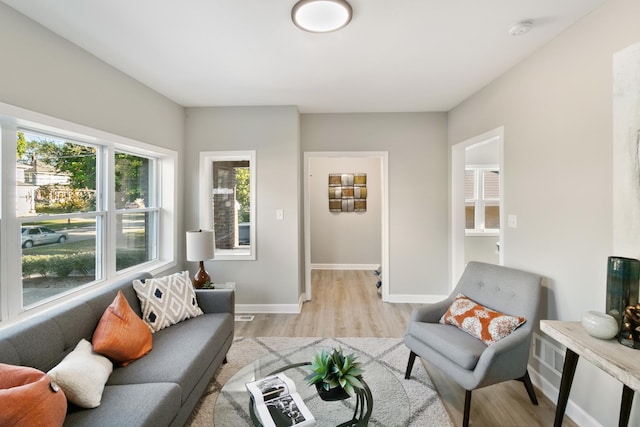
(45, 73)
(345, 237)
(273, 132)
(556, 109)
(418, 200)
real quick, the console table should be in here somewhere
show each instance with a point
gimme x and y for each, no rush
(615, 359)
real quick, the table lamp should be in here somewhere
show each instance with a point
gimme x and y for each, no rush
(200, 247)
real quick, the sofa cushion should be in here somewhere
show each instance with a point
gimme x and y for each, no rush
(167, 300)
(82, 375)
(29, 399)
(121, 335)
(458, 346)
(133, 405)
(181, 353)
(479, 321)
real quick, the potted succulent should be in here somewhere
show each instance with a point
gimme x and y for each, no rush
(335, 375)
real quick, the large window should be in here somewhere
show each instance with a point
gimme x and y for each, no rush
(58, 214)
(136, 210)
(482, 199)
(79, 210)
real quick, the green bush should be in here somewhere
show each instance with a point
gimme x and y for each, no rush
(84, 262)
(128, 258)
(28, 265)
(42, 265)
(62, 265)
(81, 263)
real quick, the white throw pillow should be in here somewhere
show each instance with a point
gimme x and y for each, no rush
(165, 301)
(82, 375)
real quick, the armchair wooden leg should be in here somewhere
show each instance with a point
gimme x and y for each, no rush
(412, 359)
(526, 379)
(467, 408)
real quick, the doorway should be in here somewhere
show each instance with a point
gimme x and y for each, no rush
(316, 200)
(477, 183)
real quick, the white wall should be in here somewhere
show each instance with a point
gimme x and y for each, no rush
(272, 281)
(481, 248)
(556, 108)
(345, 237)
(418, 217)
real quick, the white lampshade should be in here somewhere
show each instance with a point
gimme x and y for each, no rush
(321, 16)
(200, 245)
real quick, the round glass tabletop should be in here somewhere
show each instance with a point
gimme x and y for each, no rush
(389, 403)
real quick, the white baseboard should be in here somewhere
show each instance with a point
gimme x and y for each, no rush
(271, 308)
(418, 299)
(344, 266)
(575, 412)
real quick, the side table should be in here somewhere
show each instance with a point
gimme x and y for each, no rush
(612, 357)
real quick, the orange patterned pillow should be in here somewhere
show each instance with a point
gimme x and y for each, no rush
(479, 321)
(121, 335)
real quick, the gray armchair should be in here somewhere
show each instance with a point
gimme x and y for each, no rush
(466, 359)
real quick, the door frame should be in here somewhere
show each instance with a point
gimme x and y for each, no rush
(458, 151)
(384, 198)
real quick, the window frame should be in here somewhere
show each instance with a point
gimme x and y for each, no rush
(479, 200)
(14, 119)
(206, 190)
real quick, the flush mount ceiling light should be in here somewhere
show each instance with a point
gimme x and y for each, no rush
(321, 16)
(520, 28)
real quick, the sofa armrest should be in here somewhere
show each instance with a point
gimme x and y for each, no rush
(216, 300)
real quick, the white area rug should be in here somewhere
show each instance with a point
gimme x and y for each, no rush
(425, 404)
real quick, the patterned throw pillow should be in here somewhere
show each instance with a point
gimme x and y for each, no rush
(479, 321)
(167, 300)
(121, 335)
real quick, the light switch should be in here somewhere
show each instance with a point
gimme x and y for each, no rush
(279, 214)
(512, 221)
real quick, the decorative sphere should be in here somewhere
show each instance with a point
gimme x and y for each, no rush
(599, 325)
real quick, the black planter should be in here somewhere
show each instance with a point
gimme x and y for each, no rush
(333, 394)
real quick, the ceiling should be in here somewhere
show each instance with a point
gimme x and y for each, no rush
(394, 56)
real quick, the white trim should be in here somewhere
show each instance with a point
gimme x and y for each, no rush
(344, 266)
(271, 308)
(384, 157)
(575, 412)
(457, 231)
(416, 299)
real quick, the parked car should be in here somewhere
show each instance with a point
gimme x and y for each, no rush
(34, 235)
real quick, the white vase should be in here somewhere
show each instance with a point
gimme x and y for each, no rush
(599, 325)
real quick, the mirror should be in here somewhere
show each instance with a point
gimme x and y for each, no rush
(227, 202)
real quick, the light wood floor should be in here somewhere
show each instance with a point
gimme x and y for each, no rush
(347, 304)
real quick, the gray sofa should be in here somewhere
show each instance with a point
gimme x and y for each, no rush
(160, 389)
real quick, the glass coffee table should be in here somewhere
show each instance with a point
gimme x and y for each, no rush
(383, 402)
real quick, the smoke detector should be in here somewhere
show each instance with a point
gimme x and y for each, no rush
(520, 28)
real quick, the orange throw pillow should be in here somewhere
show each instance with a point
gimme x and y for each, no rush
(29, 399)
(121, 335)
(479, 321)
